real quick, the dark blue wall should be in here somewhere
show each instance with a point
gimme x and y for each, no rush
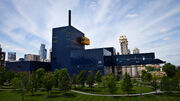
(27, 66)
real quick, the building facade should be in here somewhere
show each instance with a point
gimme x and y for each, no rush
(32, 57)
(43, 52)
(68, 51)
(12, 56)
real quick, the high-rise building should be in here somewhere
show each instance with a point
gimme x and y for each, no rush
(12, 56)
(124, 50)
(124, 45)
(43, 52)
(136, 51)
(50, 54)
(32, 57)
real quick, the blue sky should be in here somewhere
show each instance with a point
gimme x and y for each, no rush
(150, 25)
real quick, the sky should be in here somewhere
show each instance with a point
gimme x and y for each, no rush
(150, 25)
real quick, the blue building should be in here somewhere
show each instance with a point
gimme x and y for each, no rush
(68, 51)
(43, 52)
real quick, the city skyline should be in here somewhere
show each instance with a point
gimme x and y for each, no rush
(150, 26)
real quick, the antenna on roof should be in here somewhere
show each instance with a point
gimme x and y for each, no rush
(69, 17)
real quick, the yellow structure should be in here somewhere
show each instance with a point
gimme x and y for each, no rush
(85, 41)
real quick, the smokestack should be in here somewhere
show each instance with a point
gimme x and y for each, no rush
(69, 17)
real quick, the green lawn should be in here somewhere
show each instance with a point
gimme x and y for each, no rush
(70, 96)
(100, 90)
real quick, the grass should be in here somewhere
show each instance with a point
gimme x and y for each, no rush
(100, 90)
(70, 96)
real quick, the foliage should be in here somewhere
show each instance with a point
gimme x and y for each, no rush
(74, 79)
(47, 81)
(150, 68)
(56, 76)
(111, 83)
(169, 69)
(2, 75)
(127, 84)
(104, 79)
(118, 77)
(154, 84)
(82, 78)
(148, 77)
(143, 75)
(90, 79)
(178, 76)
(21, 82)
(168, 84)
(40, 72)
(98, 76)
(10, 75)
(64, 80)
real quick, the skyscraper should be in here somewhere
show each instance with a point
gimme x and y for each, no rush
(43, 52)
(124, 50)
(11, 56)
(32, 57)
(136, 51)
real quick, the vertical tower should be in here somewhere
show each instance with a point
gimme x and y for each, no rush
(134, 67)
(124, 50)
(42, 52)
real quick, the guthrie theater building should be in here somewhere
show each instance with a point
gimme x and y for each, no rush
(68, 51)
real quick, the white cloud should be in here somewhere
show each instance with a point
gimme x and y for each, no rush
(166, 38)
(131, 15)
(164, 30)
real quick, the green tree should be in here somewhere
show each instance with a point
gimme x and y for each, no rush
(98, 77)
(33, 82)
(104, 80)
(2, 75)
(148, 77)
(64, 80)
(48, 81)
(40, 72)
(169, 69)
(143, 75)
(74, 79)
(127, 84)
(178, 76)
(168, 84)
(154, 84)
(149, 68)
(10, 75)
(82, 78)
(111, 83)
(22, 83)
(56, 76)
(90, 79)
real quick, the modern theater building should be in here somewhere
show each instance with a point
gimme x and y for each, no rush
(68, 51)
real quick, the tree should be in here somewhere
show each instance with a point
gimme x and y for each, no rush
(48, 81)
(33, 82)
(149, 68)
(178, 76)
(127, 84)
(90, 79)
(64, 80)
(168, 84)
(111, 84)
(56, 76)
(148, 77)
(2, 75)
(104, 80)
(169, 69)
(40, 72)
(154, 84)
(82, 78)
(74, 79)
(22, 83)
(143, 75)
(10, 75)
(98, 76)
